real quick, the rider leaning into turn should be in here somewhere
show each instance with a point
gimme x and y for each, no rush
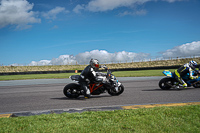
(186, 68)
(89, 73)
(196, 73)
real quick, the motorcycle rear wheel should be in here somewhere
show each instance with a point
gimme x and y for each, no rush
(71, 90)
(112, 92)
(166, 83)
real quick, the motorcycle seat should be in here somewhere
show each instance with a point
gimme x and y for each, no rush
(75, 77)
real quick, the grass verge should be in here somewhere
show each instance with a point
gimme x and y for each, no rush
(183, 119)
(140, 73)
(36, 76)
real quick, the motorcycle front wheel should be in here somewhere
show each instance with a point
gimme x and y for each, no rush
(197, 85)
(113, 92)
(71, 90)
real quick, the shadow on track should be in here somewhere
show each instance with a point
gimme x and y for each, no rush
(162, 90)
(181, 89)
(80, 98)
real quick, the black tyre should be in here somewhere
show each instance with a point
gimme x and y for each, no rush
(112, 92)
(197, 85)
(72, 90)
(166, 83)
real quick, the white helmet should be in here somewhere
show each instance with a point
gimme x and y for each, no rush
(193, 64)
(94, 63)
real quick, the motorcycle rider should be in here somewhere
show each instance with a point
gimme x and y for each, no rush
(89, 73)
(191, 81)
(183, 70)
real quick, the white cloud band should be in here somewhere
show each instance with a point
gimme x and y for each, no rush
(102, 55)
(107, 5)
(185, 50)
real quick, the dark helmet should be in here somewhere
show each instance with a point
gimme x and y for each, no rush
(193, 64)
(94, 63)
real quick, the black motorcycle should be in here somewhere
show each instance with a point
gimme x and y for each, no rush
(112, 86)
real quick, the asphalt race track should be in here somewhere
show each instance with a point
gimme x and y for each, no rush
(47, 94)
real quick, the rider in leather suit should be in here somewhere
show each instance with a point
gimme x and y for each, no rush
(183, 70)
(191, 81)
(89, 73)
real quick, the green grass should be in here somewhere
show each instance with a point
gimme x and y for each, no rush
(140, 73)
(36, 76)
(184, 119)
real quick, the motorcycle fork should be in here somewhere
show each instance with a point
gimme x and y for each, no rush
(93, 88)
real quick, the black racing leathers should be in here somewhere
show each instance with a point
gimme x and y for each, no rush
(183, 70)
(88, 74)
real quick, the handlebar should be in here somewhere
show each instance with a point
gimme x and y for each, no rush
(197, 72)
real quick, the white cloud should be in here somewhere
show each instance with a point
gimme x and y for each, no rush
(63, 60)
(139, 12)
(105, 57)
(107, 5)
(17, 12)
(78, 8)
(185, 50)
(40, 63)
(54, 12)
(102, 55)
(170, 1)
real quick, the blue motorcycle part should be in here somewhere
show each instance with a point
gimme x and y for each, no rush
(168, 73)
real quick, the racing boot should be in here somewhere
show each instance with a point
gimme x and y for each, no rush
(184, 85)
(86, 92)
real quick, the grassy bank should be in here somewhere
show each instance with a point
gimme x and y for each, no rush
(184, 119)
(174, 62)
(141, 73)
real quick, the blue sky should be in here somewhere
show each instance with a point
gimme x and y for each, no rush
(62, 31)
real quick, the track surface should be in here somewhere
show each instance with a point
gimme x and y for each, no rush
(37, 95)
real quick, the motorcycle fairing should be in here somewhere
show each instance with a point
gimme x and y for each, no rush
(167, 73)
